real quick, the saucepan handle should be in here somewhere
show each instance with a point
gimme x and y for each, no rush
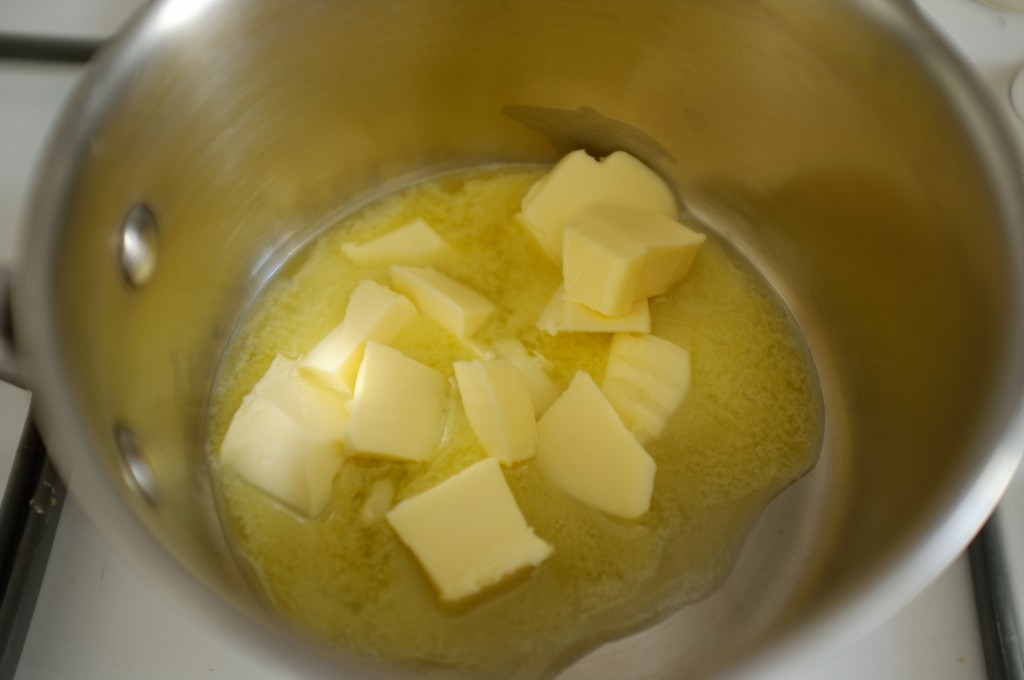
(9, 372)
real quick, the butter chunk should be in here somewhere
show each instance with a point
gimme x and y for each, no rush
(645, 380)
(413, 242)
(585, 450)
(457, 307)
(468, 532)
(615, 256)
(499, 409)
(398, 410)
(543, 390)
(627, 181)
(578, 180)
(287, 438)
(550, 202)
(373, 313)
(561, 315)
(313, 406)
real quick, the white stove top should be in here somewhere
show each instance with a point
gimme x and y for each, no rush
(96, 619)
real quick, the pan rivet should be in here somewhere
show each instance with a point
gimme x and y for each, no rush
(138, 470)
(136, 246)
(1017, 94)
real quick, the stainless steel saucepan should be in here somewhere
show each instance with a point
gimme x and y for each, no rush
(839, 145)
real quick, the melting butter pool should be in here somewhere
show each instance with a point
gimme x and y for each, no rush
(750, 425)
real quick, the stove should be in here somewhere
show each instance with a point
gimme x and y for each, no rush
(94, 618)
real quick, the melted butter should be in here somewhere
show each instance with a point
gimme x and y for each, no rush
(749, 426)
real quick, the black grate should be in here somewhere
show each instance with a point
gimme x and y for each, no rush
(60, 50)
(29, 515)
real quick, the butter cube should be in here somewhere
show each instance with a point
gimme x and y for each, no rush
(499, 409)
(578, 180)
(645, 380)
(413, 242)
(398, 410)
(468, 532)
(313, 406)
(627, 181)
(373, 313)
(561, 315)
(457, 307)
(287, 438)
(543, 390)
(615, 256)
(585, 450)
(550, 202)
(271, 451)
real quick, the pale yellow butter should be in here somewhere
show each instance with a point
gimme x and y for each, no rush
(373, 313)
(578, 180)
(627, 181)
(287, 437)
(313, 406)
(543, 390)
(561, 316)
(645, 380)
(585, 450)
(468, 532)
(615, 256)
(457, 307)
(499, 408)
(410, 243)
(398, 410)
(550, 202)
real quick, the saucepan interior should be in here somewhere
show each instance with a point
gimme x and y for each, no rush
(837, 147)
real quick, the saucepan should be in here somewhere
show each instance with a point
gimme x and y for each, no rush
(839, 147)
